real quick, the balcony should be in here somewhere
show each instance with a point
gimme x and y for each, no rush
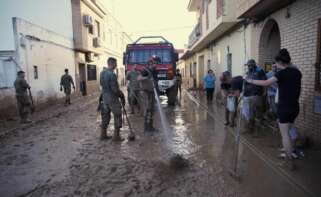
(195, 35)
(259, 9)
(221, 21)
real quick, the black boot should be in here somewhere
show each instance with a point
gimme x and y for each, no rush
(116, 136)
(103, 134)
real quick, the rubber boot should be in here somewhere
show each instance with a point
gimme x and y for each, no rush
(227, 117)
(66, 102)
(103, 134)
(25, 121)
(232, 124)
(146, 127)
(151, 128)
(288, 163)
(116, 136)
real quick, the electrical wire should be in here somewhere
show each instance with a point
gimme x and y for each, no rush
(164, 29)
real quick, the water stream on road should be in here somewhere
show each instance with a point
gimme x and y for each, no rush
(164, 122)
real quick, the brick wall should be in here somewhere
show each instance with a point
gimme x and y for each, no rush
(299, 36)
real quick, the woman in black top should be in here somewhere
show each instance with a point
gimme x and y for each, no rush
(289, 87)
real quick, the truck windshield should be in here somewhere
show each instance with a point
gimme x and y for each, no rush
(142, 56)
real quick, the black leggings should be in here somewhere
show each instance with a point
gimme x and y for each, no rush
(209, 94)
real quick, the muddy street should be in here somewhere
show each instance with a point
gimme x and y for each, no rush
(63, 156)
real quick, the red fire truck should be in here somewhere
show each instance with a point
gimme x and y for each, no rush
(140, 52)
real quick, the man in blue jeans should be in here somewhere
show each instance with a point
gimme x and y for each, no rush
(253, 94)
(209, 85)
(271, 93)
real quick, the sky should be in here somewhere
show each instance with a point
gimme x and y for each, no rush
(168, 18)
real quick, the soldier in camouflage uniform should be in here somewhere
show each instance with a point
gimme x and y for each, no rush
(111, 104)
(66, 82)
(148, 81)
(23, 100)
(133, 90)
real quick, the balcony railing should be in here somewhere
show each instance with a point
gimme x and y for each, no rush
(195, 35)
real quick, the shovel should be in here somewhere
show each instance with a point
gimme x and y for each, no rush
(131, 136)
(33, 108)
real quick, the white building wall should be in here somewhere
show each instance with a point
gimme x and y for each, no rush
(239, 46)
(47, 50)
(54, 15)
(50, 52)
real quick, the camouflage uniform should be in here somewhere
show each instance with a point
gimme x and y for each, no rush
(133, 90)
(66, 81)
(148, 98)
(111, 94)
(23, 100)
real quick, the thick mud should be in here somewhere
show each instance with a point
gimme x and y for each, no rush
(63, 156)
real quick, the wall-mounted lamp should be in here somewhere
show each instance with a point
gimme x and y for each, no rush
(288, 13)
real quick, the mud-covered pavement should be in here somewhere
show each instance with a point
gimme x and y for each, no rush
(63, 156)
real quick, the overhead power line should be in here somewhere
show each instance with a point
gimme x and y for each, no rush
(164, 29)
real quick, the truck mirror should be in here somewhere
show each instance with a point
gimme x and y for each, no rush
(124, 58)
(176, 57)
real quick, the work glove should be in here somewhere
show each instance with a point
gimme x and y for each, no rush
(122, 98)
(123, 101)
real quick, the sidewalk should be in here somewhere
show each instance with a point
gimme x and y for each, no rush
(308, 174)
(11, 126)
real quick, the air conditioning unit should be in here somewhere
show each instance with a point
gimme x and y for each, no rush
(90, 57)
(88, 20)
(97, 42)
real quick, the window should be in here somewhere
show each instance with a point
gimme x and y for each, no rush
(35, 72)
(142, 56)
(318, 62)
(97, 28)
(203, 6)
(194, 69)
(206, 13)
(219, 58)
(91, 29)
(103, 32)
(219, 8)
(110, 37)
(91, 72)
(7, 73)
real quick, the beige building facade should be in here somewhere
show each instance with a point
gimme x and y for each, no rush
(98, 36)
(219, 41)
(258, 29)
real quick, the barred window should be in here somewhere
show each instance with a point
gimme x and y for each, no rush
(219, 8)
(91, 72)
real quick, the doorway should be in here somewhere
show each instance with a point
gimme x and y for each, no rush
(270, 44)
(201, 65)
(82, 79)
